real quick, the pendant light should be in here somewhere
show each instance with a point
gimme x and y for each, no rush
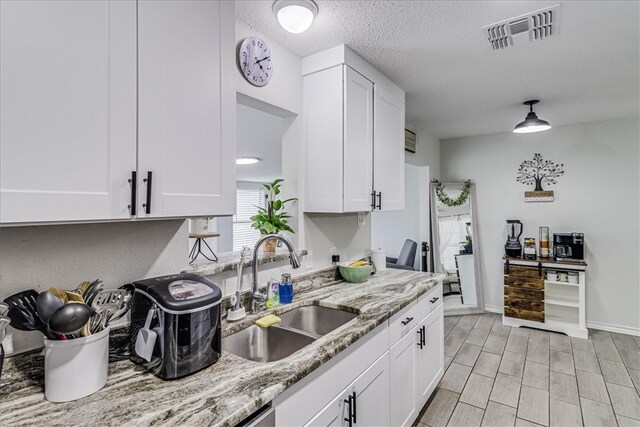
(295, 16)
(532, 123)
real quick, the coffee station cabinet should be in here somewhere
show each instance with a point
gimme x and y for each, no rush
(539, 294)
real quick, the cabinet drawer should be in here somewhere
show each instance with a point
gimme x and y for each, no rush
(402, 322)
(429, 301)
(523, 303)
(518, 271)
(524, 282)
(535, 294)
(535, 316)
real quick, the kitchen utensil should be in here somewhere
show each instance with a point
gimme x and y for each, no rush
(70, 318)
(4, 309)
(74, 297)
(512, 247)
(125, 305)
(107, 303)
(92, 291)
(82, 287)
(46, 304)
(60, 293)
(237, 311)
(146, 339)
(23, 312)
(4, 322)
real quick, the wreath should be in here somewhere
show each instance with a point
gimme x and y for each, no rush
(446, 200)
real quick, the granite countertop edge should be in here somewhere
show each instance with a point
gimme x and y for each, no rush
(236, 387)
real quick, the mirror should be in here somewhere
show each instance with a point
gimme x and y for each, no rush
(455, 248)
(259, 136)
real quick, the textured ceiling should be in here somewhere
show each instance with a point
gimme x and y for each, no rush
(455, 84)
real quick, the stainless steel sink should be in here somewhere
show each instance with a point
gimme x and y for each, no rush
(315, 320)
(265, 344)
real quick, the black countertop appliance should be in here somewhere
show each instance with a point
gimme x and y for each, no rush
(513, 247)
(568, 247)
(185, 316)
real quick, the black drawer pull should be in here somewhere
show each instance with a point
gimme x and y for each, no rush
(407, 321)
(373, 201)
(434, 300)
(355, 410)
(134, 186)
(421, 337)
(350, 403)
(380, 200)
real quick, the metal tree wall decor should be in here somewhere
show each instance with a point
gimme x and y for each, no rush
(538, 170)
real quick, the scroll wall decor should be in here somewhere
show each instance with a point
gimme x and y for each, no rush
(539, 171)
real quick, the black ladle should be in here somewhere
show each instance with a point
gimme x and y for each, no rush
(69, 319)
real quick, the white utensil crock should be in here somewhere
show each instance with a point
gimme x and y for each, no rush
(75, 368)
(379, 259)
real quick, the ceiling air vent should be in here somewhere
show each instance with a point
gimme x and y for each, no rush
(523, 29)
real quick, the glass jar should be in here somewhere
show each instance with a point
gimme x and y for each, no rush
(529, 251)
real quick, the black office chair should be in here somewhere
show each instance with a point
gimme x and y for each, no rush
(407, 257)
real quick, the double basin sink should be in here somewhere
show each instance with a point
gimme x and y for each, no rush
(299, 328)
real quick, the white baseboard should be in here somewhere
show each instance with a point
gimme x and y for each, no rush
(493, 308)
(614, 328)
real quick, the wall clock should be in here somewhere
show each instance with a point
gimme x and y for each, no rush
(255, 61)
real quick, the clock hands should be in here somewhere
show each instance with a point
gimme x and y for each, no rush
(263, 59)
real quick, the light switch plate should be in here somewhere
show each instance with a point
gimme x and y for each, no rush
(362, 218)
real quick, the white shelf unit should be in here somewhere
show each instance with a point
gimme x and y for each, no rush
(564, 302)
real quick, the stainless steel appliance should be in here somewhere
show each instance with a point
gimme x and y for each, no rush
(183, 311)
(568, 246)
(513, 247)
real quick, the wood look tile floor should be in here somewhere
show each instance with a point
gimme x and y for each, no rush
(501, 376)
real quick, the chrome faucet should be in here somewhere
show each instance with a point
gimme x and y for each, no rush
(258, 297)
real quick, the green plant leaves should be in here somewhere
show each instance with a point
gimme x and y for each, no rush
(273, 218)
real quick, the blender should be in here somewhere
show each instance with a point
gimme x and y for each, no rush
(513, 247)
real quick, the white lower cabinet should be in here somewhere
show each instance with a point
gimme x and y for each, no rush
(384, 379)
(365, 402)
(429, 356)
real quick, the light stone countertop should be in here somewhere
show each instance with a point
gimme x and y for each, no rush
(228, 391)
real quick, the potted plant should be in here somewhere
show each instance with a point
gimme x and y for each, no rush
(273, 218)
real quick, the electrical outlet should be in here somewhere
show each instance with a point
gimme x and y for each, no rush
(362, 218)
(308, 260)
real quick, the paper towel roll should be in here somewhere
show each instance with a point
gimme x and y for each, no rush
(379, 259)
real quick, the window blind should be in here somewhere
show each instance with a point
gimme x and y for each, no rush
(247, 203)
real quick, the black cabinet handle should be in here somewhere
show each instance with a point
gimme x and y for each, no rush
(380, 200)
(434, 300)
(147, 205)
(355, 410)
(407, 321)
(421, 338)
(424, 336)
(350, 403)
(373, 200)
(134, 186)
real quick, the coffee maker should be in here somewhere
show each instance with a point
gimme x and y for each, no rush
(568, 247)
(513, 247)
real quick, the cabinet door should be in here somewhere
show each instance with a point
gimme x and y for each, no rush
(388, 150)
(68, 110)
(358, 141)
(186, 115)
(372, 395)
(335, 414)
(430, 358)
(403, 380)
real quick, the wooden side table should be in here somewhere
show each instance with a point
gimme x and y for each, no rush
(197, 246)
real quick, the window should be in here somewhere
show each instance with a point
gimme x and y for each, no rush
(247, 202)
(452, 232)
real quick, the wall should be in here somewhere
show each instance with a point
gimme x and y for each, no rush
(390, 229)
(598, 195)
(65, 255)
(427, 150)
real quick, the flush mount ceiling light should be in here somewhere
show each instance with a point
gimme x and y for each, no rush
(295, 16)
(247, 160)
(532, 123)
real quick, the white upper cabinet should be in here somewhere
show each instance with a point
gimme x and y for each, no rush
(338, 118)
(95, 91)
(186, 111)
(354, 135)
(68, 110)
(388, 167)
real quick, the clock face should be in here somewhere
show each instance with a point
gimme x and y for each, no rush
(255, 61)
